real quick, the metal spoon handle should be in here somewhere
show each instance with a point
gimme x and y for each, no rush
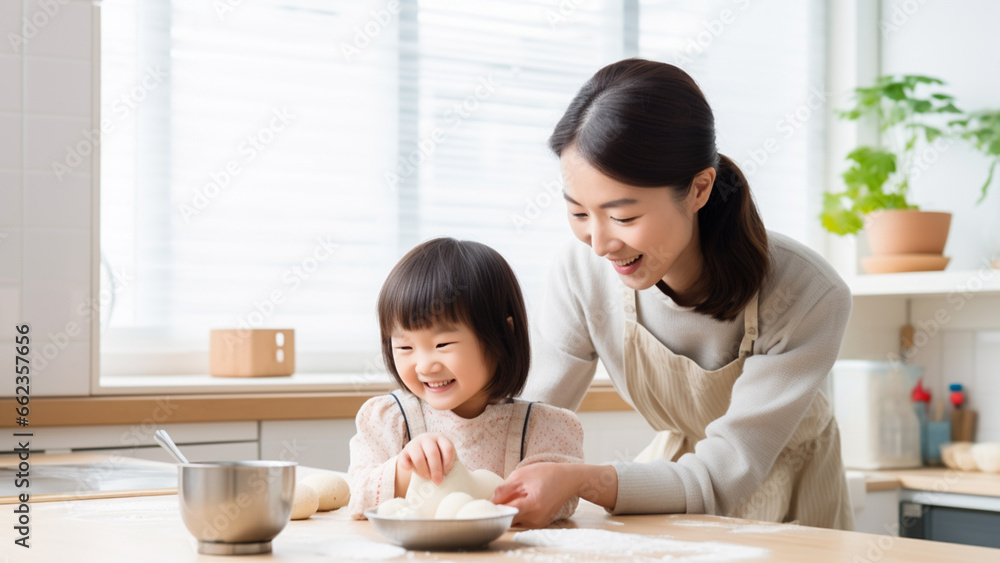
(163, 439)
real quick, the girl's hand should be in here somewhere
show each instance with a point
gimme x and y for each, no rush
(428, 455)
(539, 491)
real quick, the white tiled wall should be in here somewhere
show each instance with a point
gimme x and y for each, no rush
(47, 92)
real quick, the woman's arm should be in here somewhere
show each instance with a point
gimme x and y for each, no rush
(381, 432)
(563, 358)
(540, 491)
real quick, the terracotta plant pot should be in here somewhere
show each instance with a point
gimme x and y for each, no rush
(907, 231)
(906, 240)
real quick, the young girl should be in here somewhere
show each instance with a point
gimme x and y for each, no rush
(455, 337)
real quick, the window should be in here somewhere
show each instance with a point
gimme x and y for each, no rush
(266, 163)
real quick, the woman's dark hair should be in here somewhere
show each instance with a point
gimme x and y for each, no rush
(450, 281)
(647, 124)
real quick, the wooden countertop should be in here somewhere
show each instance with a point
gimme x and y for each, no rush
(84, 411)
(125, 529)
(140, 524)
(936, 479)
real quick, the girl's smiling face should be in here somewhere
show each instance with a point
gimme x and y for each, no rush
(644, 233)
(445, 366)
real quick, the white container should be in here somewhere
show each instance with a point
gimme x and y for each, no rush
(879, 428)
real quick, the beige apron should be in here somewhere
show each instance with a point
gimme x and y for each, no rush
(807, 483)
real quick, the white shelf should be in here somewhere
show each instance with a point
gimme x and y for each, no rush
(984, 280)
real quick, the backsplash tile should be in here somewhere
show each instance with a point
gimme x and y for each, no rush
(46, 105)
(11, 85)
(10, 141)
(58, 144)
(66, 31)
(46, 82)
(10, 255)
(984, 390)
(60, 368)
(10, 27)
(56, 257)
(55, 312)
(10, 311)
(10, 198)
(51, 202)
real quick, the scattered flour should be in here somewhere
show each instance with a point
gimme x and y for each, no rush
(627, 546)
(365, 550)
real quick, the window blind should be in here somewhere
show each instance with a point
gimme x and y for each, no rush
(293, 150)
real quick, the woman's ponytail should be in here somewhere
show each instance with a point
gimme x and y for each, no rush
(733, 244)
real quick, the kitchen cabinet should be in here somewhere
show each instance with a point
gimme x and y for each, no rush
(315, 443)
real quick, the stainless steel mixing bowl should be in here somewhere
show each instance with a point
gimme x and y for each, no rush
(434, 534)
(236, 507)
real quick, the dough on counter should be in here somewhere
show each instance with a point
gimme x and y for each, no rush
(987, 456)
(478, 508)
(305, 502)
(425, 496)
(332, 488)
(451, 504)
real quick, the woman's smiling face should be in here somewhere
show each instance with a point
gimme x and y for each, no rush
(644, 233)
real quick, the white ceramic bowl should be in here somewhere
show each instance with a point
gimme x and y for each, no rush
(434, 534)
(987, 456)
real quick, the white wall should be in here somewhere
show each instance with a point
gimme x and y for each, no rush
(46, 99)
(956, 42)
(959, 334)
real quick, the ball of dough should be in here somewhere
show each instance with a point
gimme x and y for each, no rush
(395, 508)
(485, 482)
(987, 456)
(425, 496)
(450, 505)
(332, 488)
(305, 502)
(965, 460)
(478, 508)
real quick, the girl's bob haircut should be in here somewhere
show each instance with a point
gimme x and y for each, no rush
(448, 281)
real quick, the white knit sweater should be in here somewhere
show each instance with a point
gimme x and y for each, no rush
(803, 311)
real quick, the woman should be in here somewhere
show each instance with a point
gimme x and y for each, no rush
(716, 331)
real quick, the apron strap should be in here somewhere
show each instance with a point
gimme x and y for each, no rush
(749, 327)
(517, 433)
(629, 295)
(413, 414)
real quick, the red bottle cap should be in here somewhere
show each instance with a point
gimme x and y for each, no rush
(920, 394)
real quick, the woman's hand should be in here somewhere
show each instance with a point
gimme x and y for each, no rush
(540, 490)
(428, 455)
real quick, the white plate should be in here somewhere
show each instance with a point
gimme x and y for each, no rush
(433, 534)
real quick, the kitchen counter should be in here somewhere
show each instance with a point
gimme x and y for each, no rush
(124, 529)
(935, 479)
(146, 523)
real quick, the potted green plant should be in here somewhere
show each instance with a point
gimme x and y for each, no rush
(982, 129)
(902, 237)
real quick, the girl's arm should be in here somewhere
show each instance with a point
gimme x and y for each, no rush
(381, 432)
